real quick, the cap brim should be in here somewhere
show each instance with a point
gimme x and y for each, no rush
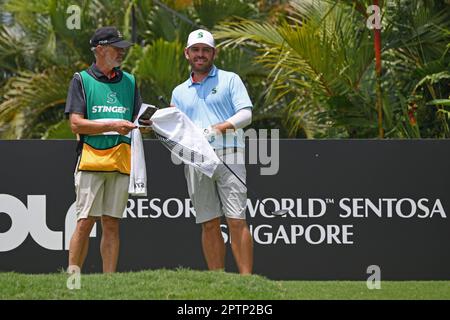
(121, 44)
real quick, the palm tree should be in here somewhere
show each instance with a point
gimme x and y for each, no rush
(39, 55)
(321, 59)
(308, 64)
(160, 64)
(417, 63)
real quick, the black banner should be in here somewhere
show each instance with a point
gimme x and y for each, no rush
(358, 209)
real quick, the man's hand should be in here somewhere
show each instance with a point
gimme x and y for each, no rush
(80, 125)
(123, 127)
(146, 123)
(146, 126)
(223, 127)
(210, 133)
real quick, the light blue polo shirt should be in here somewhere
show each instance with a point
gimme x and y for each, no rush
(218, 97)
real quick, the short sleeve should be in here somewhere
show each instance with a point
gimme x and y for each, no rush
(239, 94)
(75, 102)
(173, 99)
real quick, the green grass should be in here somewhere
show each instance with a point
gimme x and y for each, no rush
(189, 284)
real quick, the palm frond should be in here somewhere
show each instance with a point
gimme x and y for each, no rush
(12, 50)
(29, 94)
(211, 12)
(163, 24)
(162, 66)
(249, 32)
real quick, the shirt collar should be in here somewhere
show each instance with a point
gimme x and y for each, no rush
(100, 75)
(212, 73)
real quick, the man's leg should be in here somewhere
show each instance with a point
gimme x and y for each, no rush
(233, 196)
(204, 197)
(213, 245)
(109, 246)
(84, 251)
(241, 244)
(79, 242)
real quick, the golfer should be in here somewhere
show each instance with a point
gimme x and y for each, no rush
(102, 102)
(218, 103)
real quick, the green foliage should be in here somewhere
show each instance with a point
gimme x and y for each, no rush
(212, 12)
(322, 71)
(308, 65)
(30, 95)
(162, 24)
(60, 130)
(40, 55)
(314, 68)
(440, 102)
(161, 67)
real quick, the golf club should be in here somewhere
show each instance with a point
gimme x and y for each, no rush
(281, 212)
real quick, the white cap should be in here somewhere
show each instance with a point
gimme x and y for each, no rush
(200, 36)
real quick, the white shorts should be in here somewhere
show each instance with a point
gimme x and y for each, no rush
(101, 193)
(223, 194)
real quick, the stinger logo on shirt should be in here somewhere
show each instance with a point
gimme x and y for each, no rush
(111, 109)
(111, 97)
(214, 91)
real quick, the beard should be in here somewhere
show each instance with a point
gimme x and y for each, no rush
(114, 63)
(204, 67)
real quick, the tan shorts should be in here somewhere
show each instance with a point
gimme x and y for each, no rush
(101, 193)
(223, 194)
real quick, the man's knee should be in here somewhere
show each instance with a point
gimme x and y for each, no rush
(211, 225)
(236, 224)
(84, 226)
(110, 225)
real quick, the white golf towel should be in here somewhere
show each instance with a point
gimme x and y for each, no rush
(185, 140)
(138, 172)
